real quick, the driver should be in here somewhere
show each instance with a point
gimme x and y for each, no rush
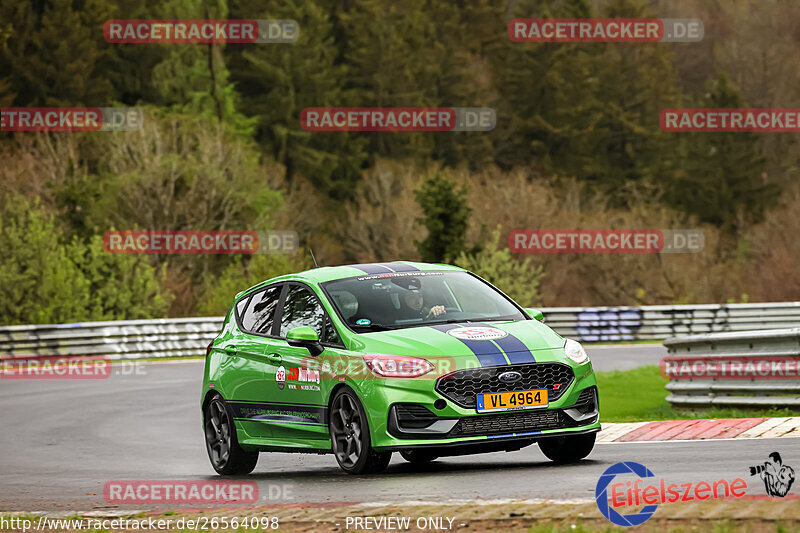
(414, 301)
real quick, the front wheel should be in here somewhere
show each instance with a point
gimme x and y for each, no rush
(227, 457)
(350, 437)
(568, 449)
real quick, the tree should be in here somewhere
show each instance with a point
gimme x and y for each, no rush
(45, 279)
(54, 52)
(723, 180)
(446, 217)
(586, 110)
(193, 78)
(278, 81)
(7, 95)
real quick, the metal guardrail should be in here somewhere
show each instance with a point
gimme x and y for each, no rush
(596, 324)
(134, 339)
(756, 368)
(124, 339)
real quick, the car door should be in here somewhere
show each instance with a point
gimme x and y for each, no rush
(251, 365)
(305, 392)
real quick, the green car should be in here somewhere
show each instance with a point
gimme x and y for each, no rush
(364, 360)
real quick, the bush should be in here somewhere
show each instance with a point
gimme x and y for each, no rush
(44, 279)
(518, 279)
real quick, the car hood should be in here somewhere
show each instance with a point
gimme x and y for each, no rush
(492, 343)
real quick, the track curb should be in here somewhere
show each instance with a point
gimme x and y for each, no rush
(703, 429)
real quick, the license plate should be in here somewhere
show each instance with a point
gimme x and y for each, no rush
(512, 401)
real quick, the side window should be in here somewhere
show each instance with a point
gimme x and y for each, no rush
(331, 335)
(260, 313)
(302, 309)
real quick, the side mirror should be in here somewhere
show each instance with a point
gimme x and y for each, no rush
(535, 313)
(305, 337)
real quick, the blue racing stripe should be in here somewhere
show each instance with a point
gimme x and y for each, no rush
(487, 352)
(515, 349)
(373, 269)
(397, 266)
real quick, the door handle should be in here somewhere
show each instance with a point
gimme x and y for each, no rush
(231, 350)
(274, 357)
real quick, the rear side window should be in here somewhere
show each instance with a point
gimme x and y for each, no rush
(259, 316)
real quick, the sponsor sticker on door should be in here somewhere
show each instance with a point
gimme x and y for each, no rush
(280, 377)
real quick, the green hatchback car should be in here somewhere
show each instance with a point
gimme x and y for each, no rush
(365, 360)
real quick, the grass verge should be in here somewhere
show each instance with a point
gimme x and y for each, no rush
(639, 395)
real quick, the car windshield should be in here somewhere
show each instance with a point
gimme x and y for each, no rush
(391, 301)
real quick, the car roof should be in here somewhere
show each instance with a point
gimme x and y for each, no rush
(331, 273)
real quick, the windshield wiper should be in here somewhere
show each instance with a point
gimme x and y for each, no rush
(373, 327)
(452, 321)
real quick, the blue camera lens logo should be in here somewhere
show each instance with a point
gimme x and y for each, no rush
(601, 494)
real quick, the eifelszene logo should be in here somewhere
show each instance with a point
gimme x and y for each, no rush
(649, 491)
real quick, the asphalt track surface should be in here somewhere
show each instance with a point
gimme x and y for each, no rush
(62, 440)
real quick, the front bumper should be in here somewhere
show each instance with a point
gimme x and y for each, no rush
(485, 445)
(412, 414)
(410, 421)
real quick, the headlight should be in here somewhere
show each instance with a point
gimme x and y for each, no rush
(398, 366)
(575, 351)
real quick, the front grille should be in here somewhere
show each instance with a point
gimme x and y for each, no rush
(510, 423)
(462, 386)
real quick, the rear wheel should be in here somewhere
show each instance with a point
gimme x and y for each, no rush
(418, 457)
(567, 449)
(350, 437)
(226, 456)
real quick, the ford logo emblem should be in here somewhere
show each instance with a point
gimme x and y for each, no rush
(509, 377)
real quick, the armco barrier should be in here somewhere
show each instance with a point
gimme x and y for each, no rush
(133, 339)
(124, 339)
(755, 368)
(594, 324)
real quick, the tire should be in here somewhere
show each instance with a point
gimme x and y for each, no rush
(222, 445)
(563, 450)
(418, 457)
(350, 438)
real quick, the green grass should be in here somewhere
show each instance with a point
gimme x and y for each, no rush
(639, 395)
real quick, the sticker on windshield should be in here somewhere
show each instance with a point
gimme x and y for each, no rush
(363, 322)
(477, 333)
(399, 275)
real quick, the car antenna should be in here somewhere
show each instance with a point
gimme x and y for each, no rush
(313, 258)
